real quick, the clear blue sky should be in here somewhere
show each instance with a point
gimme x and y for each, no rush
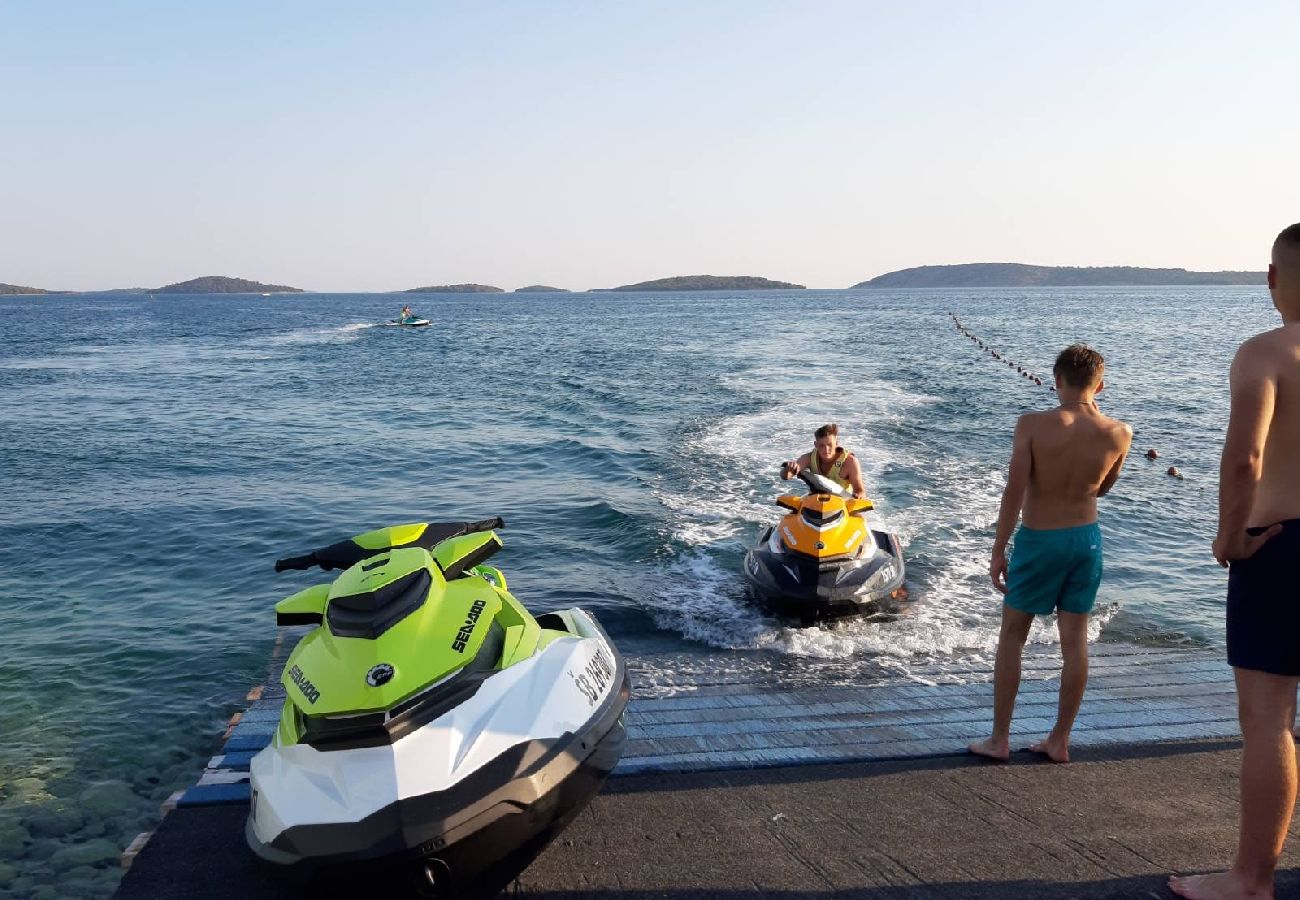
(342, 146)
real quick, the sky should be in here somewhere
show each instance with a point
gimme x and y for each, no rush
(374, 147)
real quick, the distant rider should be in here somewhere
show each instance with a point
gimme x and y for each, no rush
(406, 314)
(828, 458)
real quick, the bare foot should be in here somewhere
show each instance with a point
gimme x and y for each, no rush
(1223, 886)
(1056, 750)
(992, 749)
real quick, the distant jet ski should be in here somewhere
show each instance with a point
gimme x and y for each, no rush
(410, 323)
(823, 561)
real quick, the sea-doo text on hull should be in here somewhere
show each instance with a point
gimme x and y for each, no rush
(433, 727)
(823, 561)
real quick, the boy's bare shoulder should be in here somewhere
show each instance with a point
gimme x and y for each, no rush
(1118, 429)
(1036, 419)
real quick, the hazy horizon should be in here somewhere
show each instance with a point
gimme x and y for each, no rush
(585, 145)
(506, 288)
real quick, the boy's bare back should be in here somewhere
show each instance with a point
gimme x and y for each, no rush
(1268, 367)
(1075, 456)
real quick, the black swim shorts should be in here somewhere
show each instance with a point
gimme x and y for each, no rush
(1264, 605)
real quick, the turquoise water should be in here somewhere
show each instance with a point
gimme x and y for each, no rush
(157, 455)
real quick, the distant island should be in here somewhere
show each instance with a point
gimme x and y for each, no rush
(19, 289)
(541, 289)
(456, 289)
(1021, 275)
(220, 284)
(709, 283)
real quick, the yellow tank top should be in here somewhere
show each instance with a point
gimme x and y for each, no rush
(834, 474)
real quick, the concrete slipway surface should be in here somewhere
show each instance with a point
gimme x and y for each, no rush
(742, 783)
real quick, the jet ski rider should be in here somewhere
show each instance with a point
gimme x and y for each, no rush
(829, 459)
(406, 314)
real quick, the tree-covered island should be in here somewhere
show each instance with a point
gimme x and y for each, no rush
(220, 284)
(456, 289)
(709, 283)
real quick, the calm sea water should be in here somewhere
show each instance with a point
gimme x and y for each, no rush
(157, 455)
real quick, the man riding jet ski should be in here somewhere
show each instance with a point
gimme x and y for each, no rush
(433, 728)
(822, 561)
(828, 458)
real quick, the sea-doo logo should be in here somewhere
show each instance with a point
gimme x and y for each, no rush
(595, 676)
(379, 675)
(308, 689)
(466, 630)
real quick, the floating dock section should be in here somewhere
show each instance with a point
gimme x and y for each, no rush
(698, 712)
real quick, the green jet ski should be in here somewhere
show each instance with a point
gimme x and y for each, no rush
(434, 730)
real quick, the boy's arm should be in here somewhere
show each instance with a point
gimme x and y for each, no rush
(854, 475)
(795, 466)
(1113, 475)
(1254, 393)
(1013, 498)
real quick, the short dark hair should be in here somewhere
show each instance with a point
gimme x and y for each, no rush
(1079, 366)
(1288, 239)
(830, 429)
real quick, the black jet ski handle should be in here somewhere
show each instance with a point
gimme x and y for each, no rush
(802, 476)
(296, 562)
(330, 558)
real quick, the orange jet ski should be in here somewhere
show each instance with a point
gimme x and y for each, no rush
(823, 561)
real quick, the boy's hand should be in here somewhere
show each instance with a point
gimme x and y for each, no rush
(998, 570)
(1242, 545)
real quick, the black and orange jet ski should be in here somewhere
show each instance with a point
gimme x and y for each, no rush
(823, 560)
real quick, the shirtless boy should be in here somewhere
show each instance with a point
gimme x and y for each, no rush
(1062, 460)
(1259, 542)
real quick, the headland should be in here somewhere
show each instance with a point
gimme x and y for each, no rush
(1021, 275)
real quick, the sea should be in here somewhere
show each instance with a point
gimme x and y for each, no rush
(158, 453)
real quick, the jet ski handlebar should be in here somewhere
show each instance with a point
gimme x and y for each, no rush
(345, 553)
(820, 484)
(296, 562)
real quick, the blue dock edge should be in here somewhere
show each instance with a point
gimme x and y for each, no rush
(684, 719)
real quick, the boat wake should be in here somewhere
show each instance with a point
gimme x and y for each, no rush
(945, 522)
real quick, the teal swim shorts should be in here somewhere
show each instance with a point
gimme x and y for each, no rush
(1055, 568)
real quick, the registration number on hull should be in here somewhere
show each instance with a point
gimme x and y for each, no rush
(594, 678)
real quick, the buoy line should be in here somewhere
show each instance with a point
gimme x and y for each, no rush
(1000, 357)
(1151, 454)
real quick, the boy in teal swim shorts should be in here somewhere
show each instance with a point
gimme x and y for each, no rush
(1062, 460)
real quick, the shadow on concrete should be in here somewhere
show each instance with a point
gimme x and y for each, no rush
(1138, 887)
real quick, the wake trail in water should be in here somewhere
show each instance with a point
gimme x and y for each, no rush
(335, 334)
(942, 509)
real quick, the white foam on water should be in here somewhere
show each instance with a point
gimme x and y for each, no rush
(955, 614)
(332, 335)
